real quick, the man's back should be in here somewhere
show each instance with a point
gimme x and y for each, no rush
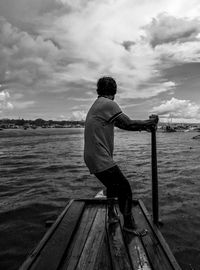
(99, 134)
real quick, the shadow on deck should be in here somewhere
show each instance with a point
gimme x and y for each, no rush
(81, 238)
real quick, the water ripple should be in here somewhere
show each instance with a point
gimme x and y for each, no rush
(42, 169)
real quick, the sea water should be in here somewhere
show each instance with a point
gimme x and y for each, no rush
(42, 169)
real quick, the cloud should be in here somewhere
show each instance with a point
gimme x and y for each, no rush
(173, 54)
(81, 99)
(77, 116)
(149, 89)
(5, 104)
(27, 62)
(39, 63)
(75, 4)
(8, 102)
(178, 108)
(102, 44)
(169, 29)
(127, 44)
(23, 104)
(174, 40)
(99, 43)
(70, 48)
(68, 45)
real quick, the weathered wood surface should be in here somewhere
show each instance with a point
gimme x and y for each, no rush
(154, 250)
(93, 243)
(31, 258)
(101, 200)
(103, 261)
(137, 253)
(120, 257)
(78, 242)
(136, 250)
(160, 238)
(49, 257)
(82, 238)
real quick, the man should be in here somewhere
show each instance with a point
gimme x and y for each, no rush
(98, 150)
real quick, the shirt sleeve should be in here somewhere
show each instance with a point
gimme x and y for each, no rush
(112, 111)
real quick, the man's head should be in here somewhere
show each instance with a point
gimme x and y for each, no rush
(106, 86)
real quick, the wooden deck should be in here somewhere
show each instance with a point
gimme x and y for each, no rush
(81, 238)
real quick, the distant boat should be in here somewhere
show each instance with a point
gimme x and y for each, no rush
(196, 137)
(169, 128)
(197, 129)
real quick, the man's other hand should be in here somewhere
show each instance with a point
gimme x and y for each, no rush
(152, 125)
(154, 117)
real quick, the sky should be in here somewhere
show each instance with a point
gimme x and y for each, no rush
(52, 52)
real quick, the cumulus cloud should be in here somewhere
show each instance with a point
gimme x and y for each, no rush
(101, 42)
(75, 4)
(27, 62)
(127, 44)
(174, 40)
(173, 54)
(77, 116)
(178, 108)
(4, 101)
(72, 43)
(15, 102)
(169, 29)
(23, 104)
(93, 39)
(148, 90)
(108, 37)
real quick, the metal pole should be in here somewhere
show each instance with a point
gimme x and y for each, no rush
(155, 206)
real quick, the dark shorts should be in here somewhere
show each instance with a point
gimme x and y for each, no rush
(117, 186)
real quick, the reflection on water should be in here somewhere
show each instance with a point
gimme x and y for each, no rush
(42, 169)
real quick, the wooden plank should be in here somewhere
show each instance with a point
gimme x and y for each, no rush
(99, 201)
(160, 238)
(52, 253)
(76, 247)
(103, 261)
(118, 250)
(154, 251)
(137, 253)
(31, 258)
(94, 242)
(136, 250)
(93, 200)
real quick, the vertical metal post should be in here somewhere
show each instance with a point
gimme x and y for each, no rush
(155, 206)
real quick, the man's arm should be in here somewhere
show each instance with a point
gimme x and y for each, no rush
(124, 122)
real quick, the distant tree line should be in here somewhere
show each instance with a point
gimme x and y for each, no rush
(39, 122)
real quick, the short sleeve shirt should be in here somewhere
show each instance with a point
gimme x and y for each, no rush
(99, 134)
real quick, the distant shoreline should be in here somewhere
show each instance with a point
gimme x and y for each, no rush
(41, 123)
(38, 123)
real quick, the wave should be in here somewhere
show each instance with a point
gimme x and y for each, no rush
(41, 170)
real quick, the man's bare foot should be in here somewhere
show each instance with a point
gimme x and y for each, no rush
(131, 227)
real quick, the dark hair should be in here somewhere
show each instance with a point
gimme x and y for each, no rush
(106, 86)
